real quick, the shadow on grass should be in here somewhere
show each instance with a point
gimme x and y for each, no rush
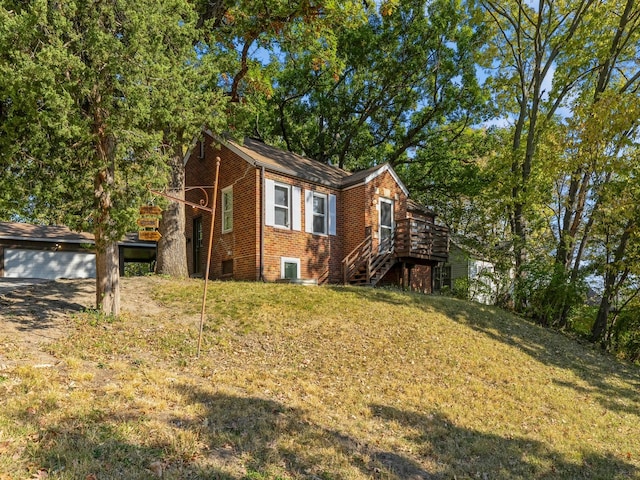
(253, 438)
(465, 453)
(595, 368)
(35, 306)
(616, 385)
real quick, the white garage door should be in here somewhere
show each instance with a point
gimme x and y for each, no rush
(19, 263)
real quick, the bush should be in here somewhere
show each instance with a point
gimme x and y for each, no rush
(137, 269)
(625, 335)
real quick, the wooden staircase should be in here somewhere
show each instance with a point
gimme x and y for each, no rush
(364, 266)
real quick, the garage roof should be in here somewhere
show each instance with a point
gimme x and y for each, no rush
(56, 234)
(42, 233)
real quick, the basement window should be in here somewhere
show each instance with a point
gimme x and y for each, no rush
(227, 267)
(289, 268)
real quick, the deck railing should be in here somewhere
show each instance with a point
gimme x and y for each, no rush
(412, 238)
(421, 239)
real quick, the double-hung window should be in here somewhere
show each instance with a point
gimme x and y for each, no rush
(281, 203)
(319, 213)
(227, 209)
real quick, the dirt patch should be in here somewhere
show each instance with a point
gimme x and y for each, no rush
(33, 314)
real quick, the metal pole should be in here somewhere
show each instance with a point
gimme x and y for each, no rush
(206, 275)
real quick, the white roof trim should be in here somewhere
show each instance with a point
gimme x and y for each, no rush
(387, 168)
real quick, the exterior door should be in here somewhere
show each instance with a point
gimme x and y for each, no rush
(386, 223)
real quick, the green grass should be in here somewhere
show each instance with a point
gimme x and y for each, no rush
(318, 383)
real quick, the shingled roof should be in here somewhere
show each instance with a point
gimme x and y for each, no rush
(57, 234)
(42, 233)
(292, 164)
(289, 163)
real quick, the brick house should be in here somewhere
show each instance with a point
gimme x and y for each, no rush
(283, 216)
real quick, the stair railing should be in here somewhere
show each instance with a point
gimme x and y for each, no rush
(380, 261)
(357, 257)
(374, 263)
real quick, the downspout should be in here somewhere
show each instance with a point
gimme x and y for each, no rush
(262, 217)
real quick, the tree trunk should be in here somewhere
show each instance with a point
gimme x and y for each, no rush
(107, 255)
(107, 276)
(611, 285)
(172, 247)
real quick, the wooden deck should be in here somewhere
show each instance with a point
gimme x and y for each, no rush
(420, 240)
(414, 242)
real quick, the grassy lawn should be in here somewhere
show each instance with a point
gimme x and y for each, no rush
(318, 383)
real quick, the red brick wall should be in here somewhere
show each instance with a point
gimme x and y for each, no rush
(356, 208)
(317, 253)
(385, 186)
(242, 243)
(421, 278)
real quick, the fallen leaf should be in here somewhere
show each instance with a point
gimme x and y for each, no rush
(156, 469)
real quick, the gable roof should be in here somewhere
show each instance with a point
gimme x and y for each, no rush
(291, 164)
(288, 163)
(365, 176)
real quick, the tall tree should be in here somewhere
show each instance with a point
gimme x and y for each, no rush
(235, 39)
(598, 132)
(408, 80)
(531, 39)
(81, 111)
(619, 230)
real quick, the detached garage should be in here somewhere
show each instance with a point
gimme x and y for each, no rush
(23, 263)
(50, 252)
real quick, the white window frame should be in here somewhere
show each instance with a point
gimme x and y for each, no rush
(392, 227)
(276, 206)
(226, 209)
(329, 212)
(284, 261)
(325, 215)
(294, 210)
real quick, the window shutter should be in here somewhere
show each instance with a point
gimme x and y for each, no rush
(295, 208)
(332, 214)
(308, 211)
(269, 194)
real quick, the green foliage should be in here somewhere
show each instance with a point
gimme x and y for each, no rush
(408, 79)
(137, 269)
(84, 76)
(581, 318)
(625, 336)
(461, 288)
